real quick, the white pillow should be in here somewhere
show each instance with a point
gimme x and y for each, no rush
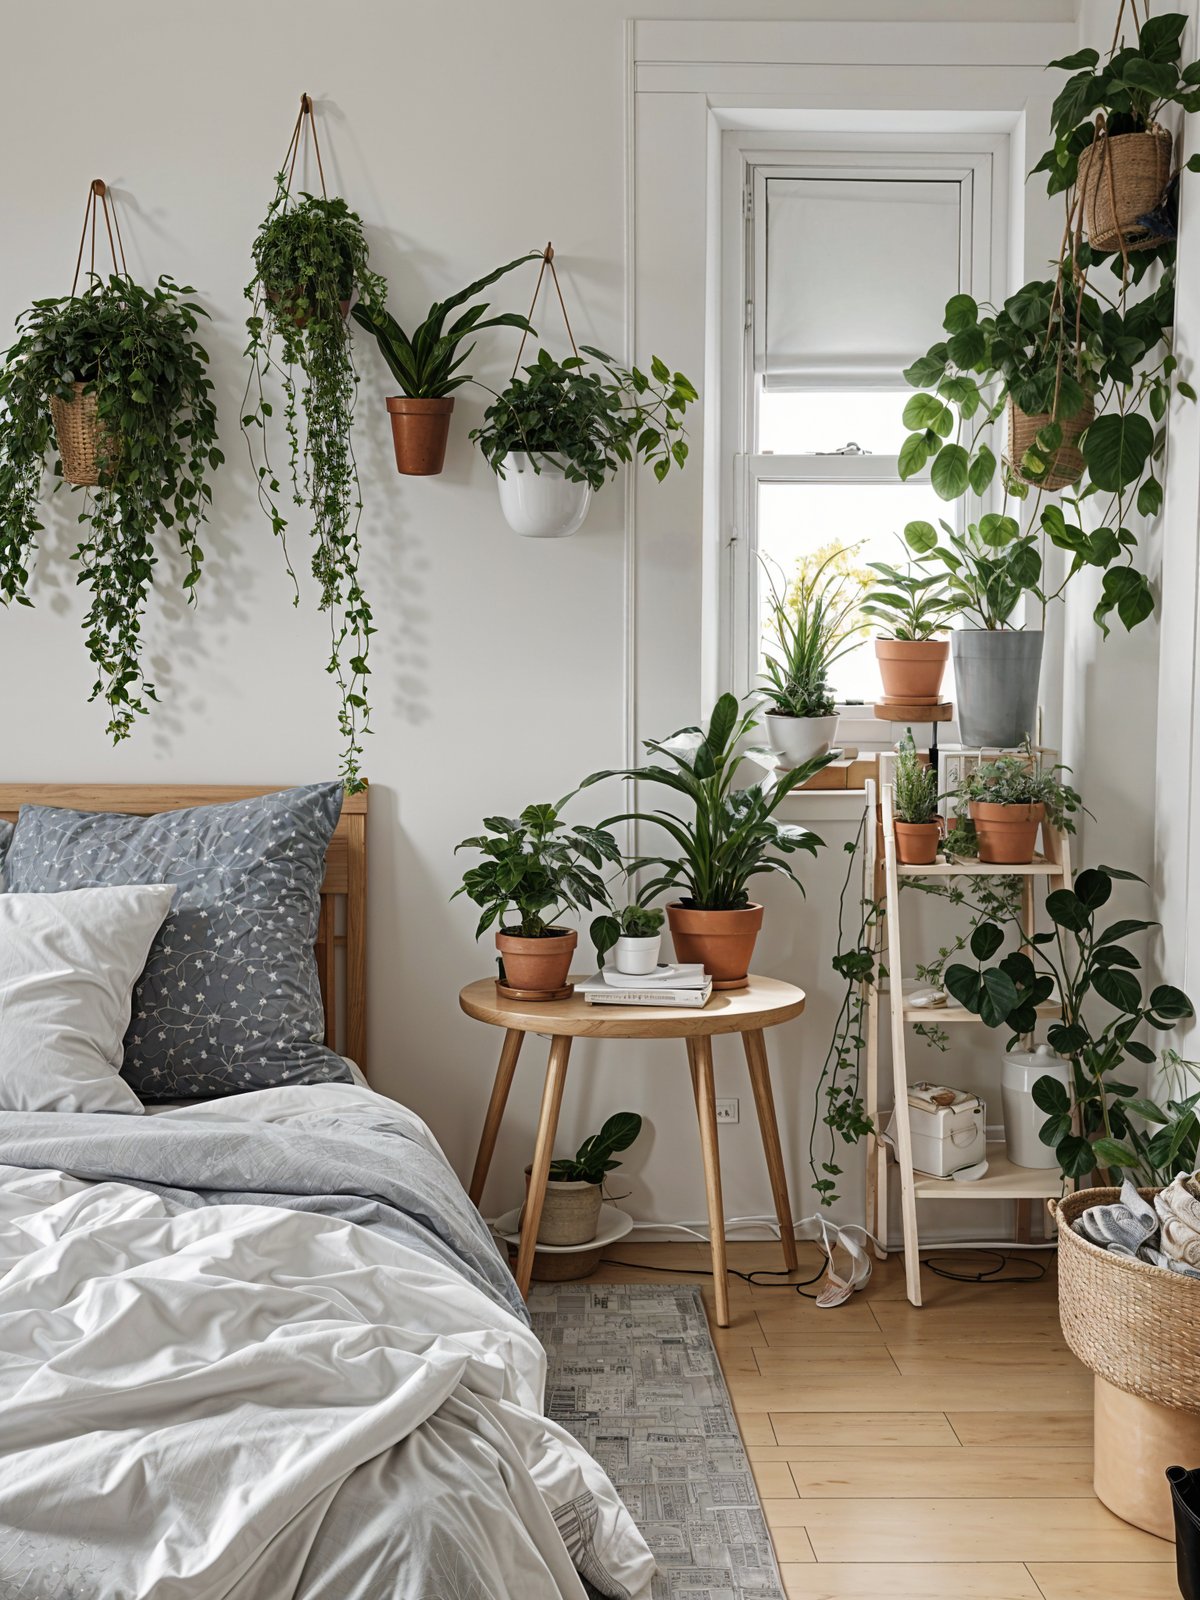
(68, 964)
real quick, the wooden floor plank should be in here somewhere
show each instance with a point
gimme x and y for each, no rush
(1087, 1580)
(907, 1429)
(1048, 1430)
(982, 1580)
(999, 1391)
(876, 1473)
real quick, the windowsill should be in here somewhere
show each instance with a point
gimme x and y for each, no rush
(823, 805)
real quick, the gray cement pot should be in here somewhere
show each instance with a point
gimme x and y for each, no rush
(996, 674)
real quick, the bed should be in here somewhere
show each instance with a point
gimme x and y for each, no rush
(260, 1345)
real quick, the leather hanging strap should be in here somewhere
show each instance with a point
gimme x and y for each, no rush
(97, 202)
(297, 139)
(547, 261)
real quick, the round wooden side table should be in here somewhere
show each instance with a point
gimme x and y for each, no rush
(765, 1002)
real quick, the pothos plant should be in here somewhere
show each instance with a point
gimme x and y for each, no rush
(310, 260)
(136, 351)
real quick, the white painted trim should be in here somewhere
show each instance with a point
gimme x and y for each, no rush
(842, 44)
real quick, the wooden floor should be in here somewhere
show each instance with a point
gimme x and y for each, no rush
(939, 1454)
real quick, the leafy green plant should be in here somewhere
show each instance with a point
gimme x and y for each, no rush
(540, 867)
(589, 421)
(136, 351)
(914, 784)
(426, 364)
(594, 1158)
(1077, 963)
(1171, 1145)
(988, 567)
(633, 922)
(1019, 781)
(812, 623)
(310, 261)
(913, 604)
(731, 834)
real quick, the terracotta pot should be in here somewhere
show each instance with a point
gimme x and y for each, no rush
(912, 669)
(541, 964)
(722, 941)
(1007, 834)
(298, 318)
(420, 429)
(570, 1211)
(917, 842)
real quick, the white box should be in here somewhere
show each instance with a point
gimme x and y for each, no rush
(945, 1137)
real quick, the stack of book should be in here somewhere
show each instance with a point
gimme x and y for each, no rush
(680, 985)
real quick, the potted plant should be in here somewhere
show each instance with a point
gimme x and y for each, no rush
(811, 624)
(730, 837)
(634, 937)
(917, 825)
(1008, 799)
(560, 430)
(310, 265)
(117, 380)
(541, 868)
(912, 607)
(426, 366)
(1108, 141)
(575, 1187)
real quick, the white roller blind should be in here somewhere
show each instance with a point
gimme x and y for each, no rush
(858, 273)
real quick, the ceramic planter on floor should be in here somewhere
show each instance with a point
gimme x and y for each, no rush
(912, 669)
(420, 429)
(541, 504)
(721, 941)
(917, 842)
(996, 674)
(637, 957)
(538, 965)
(570, 1211)
(799, 739)
(1007, 834)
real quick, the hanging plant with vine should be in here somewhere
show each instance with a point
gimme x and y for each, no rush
(115, 376)
(311, 268)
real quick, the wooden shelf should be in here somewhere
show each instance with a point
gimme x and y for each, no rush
(1039, 867)
(953, 1012)
(1004, 1180)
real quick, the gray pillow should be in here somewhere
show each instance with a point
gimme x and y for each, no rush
(229, 1000)
(6, 833)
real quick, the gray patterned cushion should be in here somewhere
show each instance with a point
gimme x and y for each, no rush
(229, 1000)
(6, 833)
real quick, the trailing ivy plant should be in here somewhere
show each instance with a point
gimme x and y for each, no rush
(310, 260)
(136, 351)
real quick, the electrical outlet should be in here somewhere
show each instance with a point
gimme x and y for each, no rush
(727, 1110)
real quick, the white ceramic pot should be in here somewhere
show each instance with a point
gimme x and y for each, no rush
(799, 739)
(637, 957)
(542, 504)
(1023, 1121)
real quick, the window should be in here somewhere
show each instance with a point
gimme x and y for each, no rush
(848, 259)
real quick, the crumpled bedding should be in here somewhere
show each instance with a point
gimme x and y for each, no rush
(270, 1392)
(1165, 1234)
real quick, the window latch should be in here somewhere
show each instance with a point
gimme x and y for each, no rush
(850, 449)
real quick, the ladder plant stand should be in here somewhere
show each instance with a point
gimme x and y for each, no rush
(1003, 1180)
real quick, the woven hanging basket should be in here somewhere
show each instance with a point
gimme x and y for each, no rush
(1121, 179)
(1135, 1325)
(1066, 466)
(83, 442)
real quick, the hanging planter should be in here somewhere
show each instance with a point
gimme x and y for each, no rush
(113, 376)
(1122, 179)
(1031, 441)
(562, 429)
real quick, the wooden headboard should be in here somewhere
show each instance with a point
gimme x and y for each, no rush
(343, 923)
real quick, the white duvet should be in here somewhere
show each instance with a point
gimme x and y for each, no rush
(244, 1403)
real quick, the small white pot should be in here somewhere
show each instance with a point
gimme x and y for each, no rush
(637, 957)
(799, 739)
(541, 504)
(1023, 1120)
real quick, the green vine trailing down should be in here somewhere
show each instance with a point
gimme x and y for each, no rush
(310, 260)
(136, 351)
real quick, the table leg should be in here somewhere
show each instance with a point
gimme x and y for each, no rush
(764, 1103)
(552, 1093)
(700, 1060)
(509, 1052)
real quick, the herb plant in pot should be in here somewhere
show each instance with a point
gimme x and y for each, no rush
(917, 825)
(538, 868)
(575, 1188)
(426, 365)
(563, 428)
(912, 608)
(1008, 800)
(634, 937)
(728, 837)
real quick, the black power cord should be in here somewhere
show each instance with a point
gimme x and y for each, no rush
(987, 1274)
(753, 1278)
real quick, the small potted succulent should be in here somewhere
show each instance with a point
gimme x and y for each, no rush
(562, 428)
(812, 622)
(634, 937)
(575, 1188)
(917, 825)
(426, 365)
(540, 868)
(731, 836)
(1008, 799)
(912, 608)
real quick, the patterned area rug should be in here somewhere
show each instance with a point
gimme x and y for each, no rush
(634, 1376)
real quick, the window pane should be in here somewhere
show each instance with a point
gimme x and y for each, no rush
(797, 519)
(798, 422)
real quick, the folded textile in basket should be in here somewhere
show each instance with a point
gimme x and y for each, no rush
(1131, 1227)
(1178, 1207)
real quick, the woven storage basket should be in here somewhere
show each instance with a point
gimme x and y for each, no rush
(1120, 180)
(82, 442)
(1067, 466)
(1136, 1326)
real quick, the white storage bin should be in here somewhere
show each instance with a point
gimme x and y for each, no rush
(946, 1136)
(1023, 1122)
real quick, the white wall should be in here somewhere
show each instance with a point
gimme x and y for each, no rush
(464, 133)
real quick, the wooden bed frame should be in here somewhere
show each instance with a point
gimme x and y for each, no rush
(343, 922)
